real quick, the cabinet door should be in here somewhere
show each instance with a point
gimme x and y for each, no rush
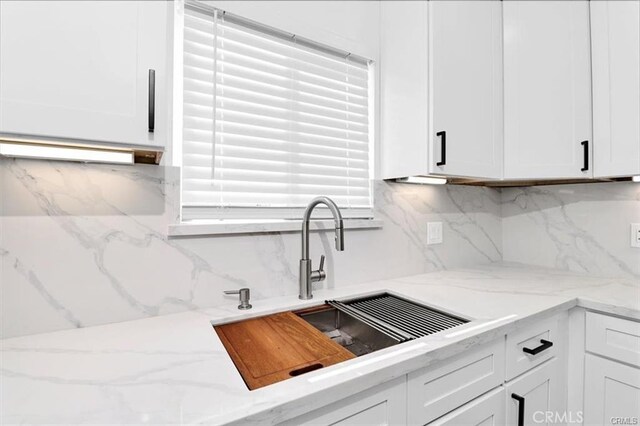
(404, 99)
(611, 391)
(465, 56)
(615, 41)
(543, 395)
(382, 405)
(80, 69)
(488, 410)
(547, 89)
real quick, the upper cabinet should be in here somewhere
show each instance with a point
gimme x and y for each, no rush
(465, 78)
(547, 90)
(404, 89)
(441, 89)
(615, 50)
(88, 70)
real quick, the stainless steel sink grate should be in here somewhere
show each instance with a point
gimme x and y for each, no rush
(398, 318)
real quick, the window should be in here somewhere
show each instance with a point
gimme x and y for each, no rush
(270, 121)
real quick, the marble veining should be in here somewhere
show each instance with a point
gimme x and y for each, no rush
(174, 369)
(583, 228)
(87, 244)
(83, 245)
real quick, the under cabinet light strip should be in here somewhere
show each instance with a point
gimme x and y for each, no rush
(68, 153)
(423, 180)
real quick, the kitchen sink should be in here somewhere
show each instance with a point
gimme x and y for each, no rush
(279, 346)
(368, 324)
(349, 332)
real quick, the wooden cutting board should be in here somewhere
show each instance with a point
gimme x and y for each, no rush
(277, 347)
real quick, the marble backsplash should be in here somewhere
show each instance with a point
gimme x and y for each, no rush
(582, 228)
(82, 245)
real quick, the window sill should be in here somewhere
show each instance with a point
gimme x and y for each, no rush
(229, 227)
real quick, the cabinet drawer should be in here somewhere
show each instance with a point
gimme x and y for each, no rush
(614, 338)
(488, 410)
(534, 338)
(380, 405)
(435, 391)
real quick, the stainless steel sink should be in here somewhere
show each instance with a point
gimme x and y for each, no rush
(368, 324)
(356, 336)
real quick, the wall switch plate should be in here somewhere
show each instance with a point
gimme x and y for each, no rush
(434, 232)
(635, 235)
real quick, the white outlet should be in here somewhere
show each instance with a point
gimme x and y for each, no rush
(635, 235)
(434, 232)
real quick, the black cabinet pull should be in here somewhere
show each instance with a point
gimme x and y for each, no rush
(443, 148)
(152, 100)
(520, 400)
(585, 147)
(544, 345)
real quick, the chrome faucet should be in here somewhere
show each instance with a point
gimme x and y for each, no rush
(307, 276)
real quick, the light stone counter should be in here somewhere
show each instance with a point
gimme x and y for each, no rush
(174, 369)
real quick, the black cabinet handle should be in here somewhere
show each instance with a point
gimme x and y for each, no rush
(520, 400)
(152, 100)
(585, 147)
(443, 148)
(544, 345)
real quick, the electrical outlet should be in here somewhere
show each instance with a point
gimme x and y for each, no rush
(434, 232)
(635, 235)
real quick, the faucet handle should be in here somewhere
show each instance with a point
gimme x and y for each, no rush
(318, 275)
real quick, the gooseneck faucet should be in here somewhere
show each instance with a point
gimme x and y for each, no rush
(307, 276)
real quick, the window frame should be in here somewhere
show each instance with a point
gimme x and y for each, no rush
(263, 215)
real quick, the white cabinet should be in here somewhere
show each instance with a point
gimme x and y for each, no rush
(612, 391)
(547, 90)
(613, 337)
(441, 388)
(488, 410)
(615, 41)
(440, 71)
(536, 393)
(533, 345)
(404, 89)
(80, 69)
(465, 77)
(382, 405)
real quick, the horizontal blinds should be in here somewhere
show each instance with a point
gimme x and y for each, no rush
(269, 123)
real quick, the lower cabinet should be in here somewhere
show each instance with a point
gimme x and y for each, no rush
(488, 410)
(384, 404)
(441, 388)
(612, 392)
(537, 397)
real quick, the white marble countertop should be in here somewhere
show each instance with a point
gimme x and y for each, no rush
(174, 369)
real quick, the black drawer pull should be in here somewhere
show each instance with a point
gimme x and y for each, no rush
(152, 100)
(520, 400)
(443, 148)
(544, 345)
(585, 147)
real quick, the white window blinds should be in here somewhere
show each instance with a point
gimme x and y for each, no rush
(270, 122)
